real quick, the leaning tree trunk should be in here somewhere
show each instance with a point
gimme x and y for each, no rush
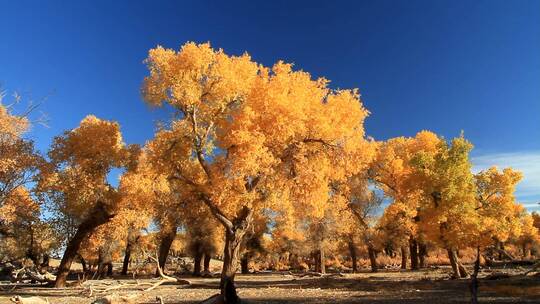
(452, 257)
(403, 257)
(97, 217)
(413, 249)
(458, 269)
(83, 263)
(167, 238)
(354, 258)
(373, 258)
(206, 262)
(234, 234)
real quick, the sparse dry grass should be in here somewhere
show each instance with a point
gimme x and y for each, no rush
(389, 286)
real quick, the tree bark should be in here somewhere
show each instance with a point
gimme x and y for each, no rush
(373, 259)
(167, 238)
(231, 253)
(97, 217)
(403, 257)
(207, 258)
(197, 263)
(413, 249)
(354, 258)
(244, 264)
(127, 258)
(234, 234)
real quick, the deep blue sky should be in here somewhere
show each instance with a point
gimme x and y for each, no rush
(445, 66)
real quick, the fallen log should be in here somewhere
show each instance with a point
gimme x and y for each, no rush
(316, 274)
(25, 274)
(492, 263)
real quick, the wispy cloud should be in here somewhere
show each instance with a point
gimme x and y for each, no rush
(528, 162)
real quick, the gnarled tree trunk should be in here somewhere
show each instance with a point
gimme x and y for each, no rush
(167, 237)
(234, 235)
(97, 217)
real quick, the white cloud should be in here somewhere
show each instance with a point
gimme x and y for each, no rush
(528, 190)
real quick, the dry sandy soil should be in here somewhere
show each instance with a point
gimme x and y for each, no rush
(429, 286)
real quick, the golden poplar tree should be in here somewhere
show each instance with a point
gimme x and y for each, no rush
(447, 213)
(75, 181)
(247, 135)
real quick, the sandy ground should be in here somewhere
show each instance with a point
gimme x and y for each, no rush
(429, 286)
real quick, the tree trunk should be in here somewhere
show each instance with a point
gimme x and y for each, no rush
(354, 258)
(526, 251)
(127, 258)
(452, 257)
(234, 234)
(322, 260)
(101, 265)
(231, 253)
(45, 262)
(83, 263)
(462, 270)
(167, 238)
(403, 257)
(373, 259)
(244, 264)
(501, 255)
(458, 269)
(474, 278)
(207, 258)
(97, 217)
(197, 263)
(109, 269)
(413, 249)
(422, 254)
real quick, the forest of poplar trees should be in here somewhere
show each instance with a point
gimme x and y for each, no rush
(259, 170)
